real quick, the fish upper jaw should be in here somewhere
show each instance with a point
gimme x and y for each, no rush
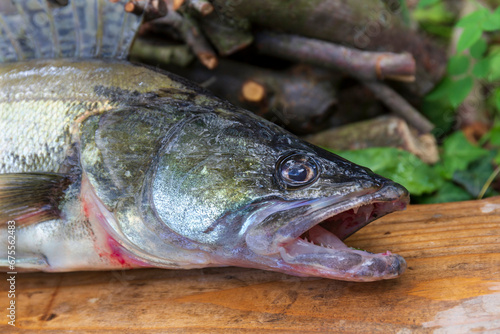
(310, 244)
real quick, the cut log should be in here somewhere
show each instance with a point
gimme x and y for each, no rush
(253, 91)
(385, 131)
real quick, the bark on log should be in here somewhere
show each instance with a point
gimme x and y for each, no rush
(155, 53)
(226, 39)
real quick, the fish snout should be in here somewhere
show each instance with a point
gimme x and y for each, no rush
(392, 191)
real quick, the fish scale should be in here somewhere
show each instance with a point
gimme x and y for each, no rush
(52, 95)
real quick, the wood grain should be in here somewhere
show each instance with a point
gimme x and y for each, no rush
(452, 285)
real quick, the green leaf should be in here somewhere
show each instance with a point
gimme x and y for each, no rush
(426, 3)
(458, 153)
(492, 21)
(437, 30)
(494, 50)
(478, 49)
(497, 158)
(476, 175)
(468, 38)
(481, 68)
(398, 165)
(461, 88)
(440, 113)
(442, 90)
(474, 19)
(494, 135)
(494, 67)
(458, 64)
(454, 91)
(436, 15)
(497, 98)
(449, 192)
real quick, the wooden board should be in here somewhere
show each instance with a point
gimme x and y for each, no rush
(452, 285)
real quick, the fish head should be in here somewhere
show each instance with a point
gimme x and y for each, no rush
(249, 193)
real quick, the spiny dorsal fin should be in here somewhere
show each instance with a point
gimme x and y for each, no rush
(31, 198)
(65, 29)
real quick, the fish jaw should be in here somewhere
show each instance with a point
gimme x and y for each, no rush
(311, 244)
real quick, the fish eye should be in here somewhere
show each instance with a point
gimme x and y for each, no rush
(297, 170)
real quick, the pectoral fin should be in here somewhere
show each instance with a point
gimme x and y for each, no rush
(31, 198)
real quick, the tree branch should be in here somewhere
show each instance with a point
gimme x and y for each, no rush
(192, 35)
(363, 65)
(400, 106)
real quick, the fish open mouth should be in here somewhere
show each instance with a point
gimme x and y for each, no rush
(311, 243)
(320, 250)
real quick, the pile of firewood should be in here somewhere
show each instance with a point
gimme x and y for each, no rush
(308, 65)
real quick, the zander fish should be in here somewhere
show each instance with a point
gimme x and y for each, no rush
(105, 164)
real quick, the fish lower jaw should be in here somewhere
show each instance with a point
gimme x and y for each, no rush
(320, 250)
(325, 255)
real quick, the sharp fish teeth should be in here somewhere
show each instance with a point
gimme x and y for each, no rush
(356, 210)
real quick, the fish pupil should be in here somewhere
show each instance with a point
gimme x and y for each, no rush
(297, 173)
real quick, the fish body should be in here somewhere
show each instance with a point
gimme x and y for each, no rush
(106, 164)
(158, 172)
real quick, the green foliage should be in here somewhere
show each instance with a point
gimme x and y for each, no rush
(457, 154)
(492, 21)
(453, 90)
(496, 97)
(458, 64)
(482, 68)
(494, 135)
(469, 37)
(460, 175)
(426, 3)
(449, 192)
(434, 18)
(478, 49)
(474, 19)
(398, 165)
(472, 60)
(440, 113)
(476, 175)
(494, 62)
(467, 170)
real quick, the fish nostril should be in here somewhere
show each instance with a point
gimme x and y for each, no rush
(391, 191)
